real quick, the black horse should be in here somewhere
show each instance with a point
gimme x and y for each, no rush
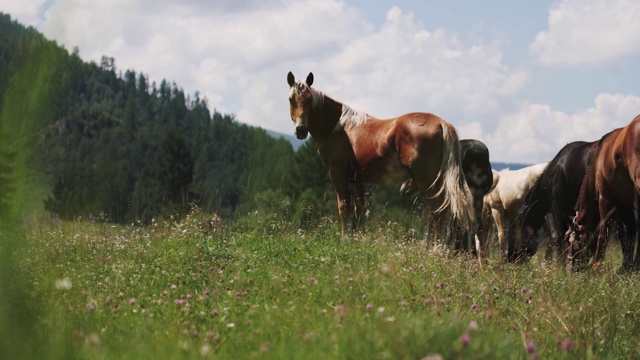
(551, 199)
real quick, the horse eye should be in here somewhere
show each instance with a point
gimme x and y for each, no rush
(292, 101)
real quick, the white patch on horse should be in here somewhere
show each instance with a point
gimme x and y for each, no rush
(317, 97)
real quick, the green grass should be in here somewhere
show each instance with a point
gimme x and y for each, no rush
(203, 289)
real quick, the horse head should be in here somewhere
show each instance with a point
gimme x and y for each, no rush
(300, 103)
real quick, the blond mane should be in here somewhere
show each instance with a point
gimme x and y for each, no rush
(351, 118)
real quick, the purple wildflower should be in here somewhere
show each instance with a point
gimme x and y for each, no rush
(531, 348)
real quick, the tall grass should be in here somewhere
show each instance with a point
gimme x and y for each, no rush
(200, 288)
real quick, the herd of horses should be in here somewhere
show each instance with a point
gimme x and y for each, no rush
(574, 201)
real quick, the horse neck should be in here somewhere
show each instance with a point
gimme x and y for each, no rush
(324, 119)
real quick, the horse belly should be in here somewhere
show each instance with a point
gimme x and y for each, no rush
(620, 189)
(383, 172)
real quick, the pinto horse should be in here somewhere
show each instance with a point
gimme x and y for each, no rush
(610, 188)
(503, 202)
(357, 148)
(479, 176)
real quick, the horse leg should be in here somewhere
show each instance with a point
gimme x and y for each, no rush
(606, 212)
(486, 234)
(625, 224)
(430, 229)
(633, 232)
(498, 218)
(560, 221)
(441, 223)
(359, 205)
(343, 193)
(550, 236)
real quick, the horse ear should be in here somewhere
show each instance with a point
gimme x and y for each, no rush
(291, 79)
(310, 79)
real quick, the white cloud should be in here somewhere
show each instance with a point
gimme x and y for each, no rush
(238, 53)
(24, 11)
(535, 133)
(403, 67)
(228, 53)
(589, 33)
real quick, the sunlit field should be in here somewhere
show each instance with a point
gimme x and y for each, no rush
(203, 288)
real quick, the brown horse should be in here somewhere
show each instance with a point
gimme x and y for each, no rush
(610, 189)
(357, 148)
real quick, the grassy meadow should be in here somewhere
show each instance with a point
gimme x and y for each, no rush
(259, 288)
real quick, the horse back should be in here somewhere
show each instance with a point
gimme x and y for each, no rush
(617, 165)
(390, 151)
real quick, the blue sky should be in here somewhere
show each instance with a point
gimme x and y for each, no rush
(525, 77)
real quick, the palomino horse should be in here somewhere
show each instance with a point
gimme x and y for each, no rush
(503, 202)
(357, 148)
(479, 176)
(611, 187)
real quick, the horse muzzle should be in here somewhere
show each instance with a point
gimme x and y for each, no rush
(302, 131)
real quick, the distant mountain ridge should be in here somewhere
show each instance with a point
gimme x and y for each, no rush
(297, 143)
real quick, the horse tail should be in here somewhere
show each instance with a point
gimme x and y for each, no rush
(457, 197)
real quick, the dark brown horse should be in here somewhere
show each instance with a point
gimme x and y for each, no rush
(610, 189)
(357, 148)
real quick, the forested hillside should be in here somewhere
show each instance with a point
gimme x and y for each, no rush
(94, 140)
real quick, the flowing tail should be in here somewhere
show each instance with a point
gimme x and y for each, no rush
(457, 196)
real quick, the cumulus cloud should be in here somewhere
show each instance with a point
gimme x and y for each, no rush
(536, 132)
(229, 53)
(402, 67)
(405, 67)
(589, 33)
(25, 11)
(237, 54)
